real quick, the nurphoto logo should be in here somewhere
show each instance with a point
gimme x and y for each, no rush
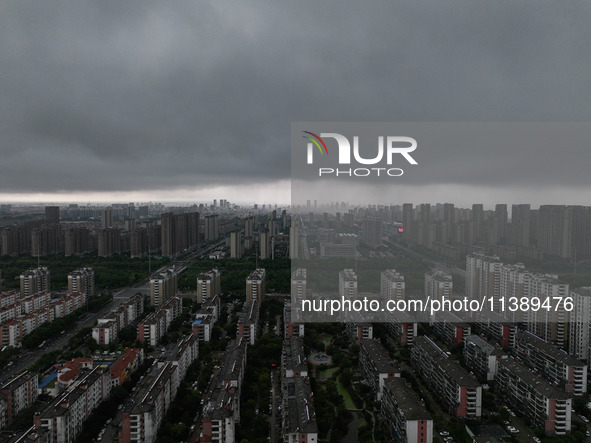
(394, 146)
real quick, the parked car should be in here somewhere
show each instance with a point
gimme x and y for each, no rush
(512, 430)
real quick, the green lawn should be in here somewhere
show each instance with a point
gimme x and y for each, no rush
(326, 339)
(347, 398)
(327, 373)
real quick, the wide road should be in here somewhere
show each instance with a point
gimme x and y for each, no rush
(119, 296)
(30, 357)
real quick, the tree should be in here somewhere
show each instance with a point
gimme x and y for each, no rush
(91, 344)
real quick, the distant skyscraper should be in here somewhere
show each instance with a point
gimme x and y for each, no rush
(107, 218)
(500, 224)
(129, 224)
(77, 241)
(407, 222)
(47, 240)
(179, 232)
(249, 226)
(555, 230)
(108, 242)
(448, 227)
(520, 225)
(371, 233)
(211, 227)
(264, 245)
(138, 243)
(52, 215)
(477, 222)
(236, 246)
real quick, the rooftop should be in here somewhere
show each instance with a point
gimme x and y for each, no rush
(150, 388)
(534, 380)
(407, 399)
(300, 408)
(378, 355)
(294, 357)
(17, 381)
(451, 369)
(547, 348)
(483, 345)
(257, 274)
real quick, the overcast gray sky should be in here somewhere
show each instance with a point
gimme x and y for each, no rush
(181, 100)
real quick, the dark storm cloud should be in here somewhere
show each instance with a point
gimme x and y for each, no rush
(105, 95)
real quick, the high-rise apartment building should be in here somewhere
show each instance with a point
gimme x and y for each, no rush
(211, 228)
(77, 241)
(34, 280)
(482, 276)
(515, 282)
(265, 245)
(549, 324)
(236, 245)
(438, 284)
(348, 284)
(163, 286)
(108, 242)
(107, 218)
(392, 286)
(256, 285)
(580, 324)
(407, 222)
(52, 215)
(179, 232)
(519, 233)
(47, 240)
(82, 280)
(371, 232)
(208, 285)
(477, 223)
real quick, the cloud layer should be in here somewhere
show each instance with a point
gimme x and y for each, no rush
(106, 96)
